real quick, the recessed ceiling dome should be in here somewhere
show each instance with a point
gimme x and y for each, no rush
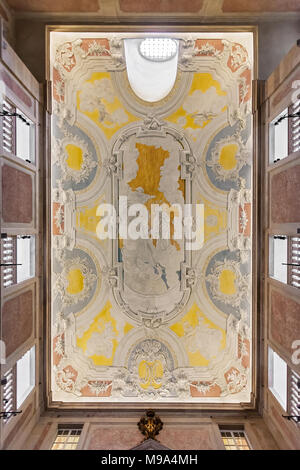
(158, 49)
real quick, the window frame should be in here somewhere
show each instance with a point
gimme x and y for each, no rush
(232, 430)
(32, 379)
(293, 399)
(292, 257)
(65, 430)
(13, 108)
(271, 388)
(12, 271)
(273, 158)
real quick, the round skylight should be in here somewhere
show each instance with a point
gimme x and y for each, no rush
(158, 49)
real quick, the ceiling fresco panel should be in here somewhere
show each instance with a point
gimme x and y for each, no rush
(49, 6)
(148, 319)
(165, 6)
(260, 6)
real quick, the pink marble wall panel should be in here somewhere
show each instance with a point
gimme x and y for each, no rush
(187, 439)
(114, 438)
(54, 5)
(160, 6)
(23, 417)
(17, 321)
(285, 200)
(117, 438)
(284, 320)
(16, 202)
(260, 6)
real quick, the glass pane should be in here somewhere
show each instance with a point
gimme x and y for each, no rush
(279, 137)
(278, 253)
(25, 375)
(67, 439)
(25, 138)
(278, 378)
(25, 258)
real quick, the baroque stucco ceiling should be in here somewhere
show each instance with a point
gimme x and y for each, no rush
(146, 320)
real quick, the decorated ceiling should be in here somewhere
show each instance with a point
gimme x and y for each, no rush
(149, 320)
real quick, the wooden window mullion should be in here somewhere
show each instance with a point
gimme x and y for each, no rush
(290, 131)
(289, 260)
(14, 257)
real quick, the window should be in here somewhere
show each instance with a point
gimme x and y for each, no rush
(25, 257)
(18, 132)
(294, 128)
(19, 382)
(151, 65)
(294, 260)
(24, 138)
(279, 137)
(8, 258)
(67, 437)
(278, 253)
(9, 396)
(18, 254)
(158, 49)
(294, 395)
(277, 375)
(235, 439)
(25, 376)
(284, 259)
(8, 127)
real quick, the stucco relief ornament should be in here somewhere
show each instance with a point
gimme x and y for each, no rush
(152, 323)
(61, 281)
(60, 346)
(65, 379)
(202, 339)
(61, 157)
(111, 275)
(94, 96)
(203, 387)
(101, 343)
(158, 379)
(238, 117)
(112, 166)
(69, 53)
(117, 56)
(60, 89)
(244, 89)
(151, 122)
(242, 283)
(239, 56)
(173, 384)
(185, 59)
(239, 220)
(243, 157)
(208, 50)
(150, 350)
(64, 57)
(236, 380)
(59, 323)
(60, 219)
(189, 276)
(95, 49)
(63, 113)
(99, 387)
